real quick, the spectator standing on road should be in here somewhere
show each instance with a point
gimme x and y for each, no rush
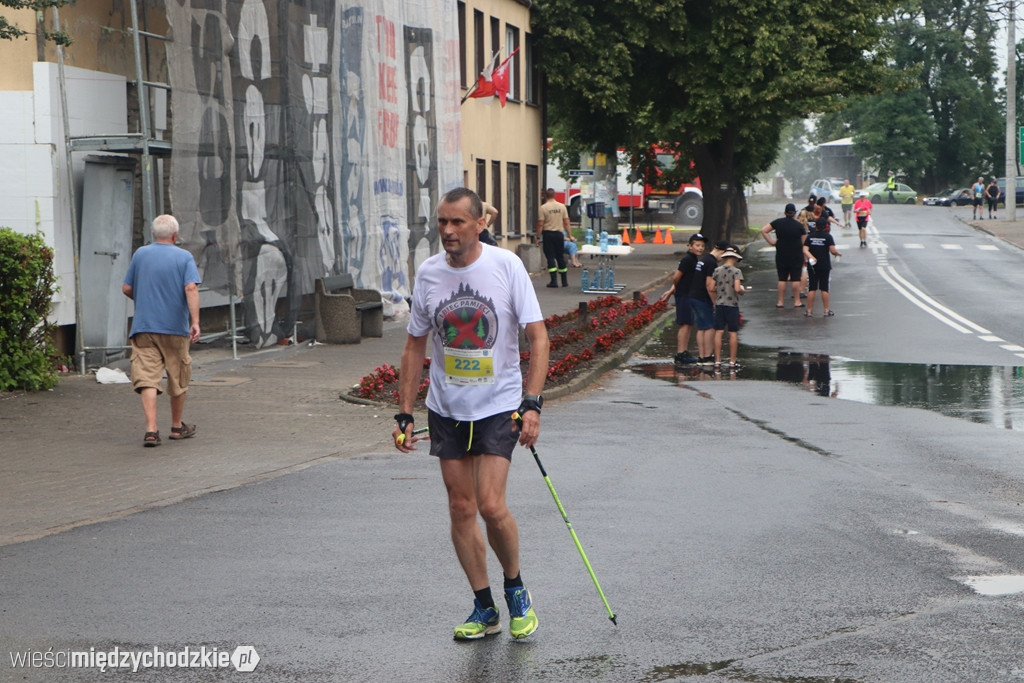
(992, 196)
(163, 281)
(890, 185)
(818, 248)
(846, 193)
(470, 302)
(806, 215)
(789, 260)
(682, 283)
(825, 210)
(702, 303)
(552, 227)
(977, 198)
(862, 210)
(490, 215)
(728, 288)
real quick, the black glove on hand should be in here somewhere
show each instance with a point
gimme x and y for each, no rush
(404, 420)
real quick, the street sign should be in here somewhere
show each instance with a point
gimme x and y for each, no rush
(577, 172)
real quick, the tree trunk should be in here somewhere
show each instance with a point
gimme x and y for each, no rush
(725, 207)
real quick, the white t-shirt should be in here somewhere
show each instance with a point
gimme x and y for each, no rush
(474, 315)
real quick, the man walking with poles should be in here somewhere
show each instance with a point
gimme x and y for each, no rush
(469, 303)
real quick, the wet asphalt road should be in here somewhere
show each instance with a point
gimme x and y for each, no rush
(751, 527)
(928, 289)
(742, 531)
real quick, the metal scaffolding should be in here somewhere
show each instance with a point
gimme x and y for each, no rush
(141, 144)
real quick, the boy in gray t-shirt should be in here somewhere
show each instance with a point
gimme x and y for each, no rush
(728, 289)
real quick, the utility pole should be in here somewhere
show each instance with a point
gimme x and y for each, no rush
(1013, 139)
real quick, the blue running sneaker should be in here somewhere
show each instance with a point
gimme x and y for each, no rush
(482, 622)
(520, 608)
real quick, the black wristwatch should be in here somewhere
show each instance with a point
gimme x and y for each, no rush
(531, 402)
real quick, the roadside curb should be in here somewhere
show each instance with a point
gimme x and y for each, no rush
(985, 230)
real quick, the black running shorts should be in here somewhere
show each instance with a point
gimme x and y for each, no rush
(494, 435)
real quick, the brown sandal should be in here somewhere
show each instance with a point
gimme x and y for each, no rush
(151, 439)
(183, 432)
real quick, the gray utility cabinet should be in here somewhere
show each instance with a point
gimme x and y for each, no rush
(108, 200)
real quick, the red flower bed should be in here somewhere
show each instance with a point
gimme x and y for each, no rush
(612, 323)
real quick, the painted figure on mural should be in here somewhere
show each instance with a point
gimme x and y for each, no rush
(310, 147)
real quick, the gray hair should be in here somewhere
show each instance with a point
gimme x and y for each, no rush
(476, 207)
(164, 226)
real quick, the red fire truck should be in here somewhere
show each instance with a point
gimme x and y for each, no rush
(682, 205)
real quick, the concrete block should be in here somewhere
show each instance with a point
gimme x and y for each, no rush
(531, 257)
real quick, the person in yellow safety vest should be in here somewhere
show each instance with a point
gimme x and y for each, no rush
(890, 185)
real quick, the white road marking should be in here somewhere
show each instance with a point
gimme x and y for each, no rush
(926, 303)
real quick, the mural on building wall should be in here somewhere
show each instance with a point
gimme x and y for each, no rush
(311, 138)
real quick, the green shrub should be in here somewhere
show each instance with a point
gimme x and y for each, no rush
(27, 285)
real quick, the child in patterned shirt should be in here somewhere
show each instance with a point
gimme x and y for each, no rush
(728, 288)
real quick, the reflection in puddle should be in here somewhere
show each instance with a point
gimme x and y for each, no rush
(979, 393)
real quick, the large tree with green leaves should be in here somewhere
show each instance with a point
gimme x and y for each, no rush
(9, 31)
(718, 78)
(944, 125)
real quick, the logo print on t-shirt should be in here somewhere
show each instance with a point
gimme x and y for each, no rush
(467, 320)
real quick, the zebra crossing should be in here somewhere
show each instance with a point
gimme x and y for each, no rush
(949, 246)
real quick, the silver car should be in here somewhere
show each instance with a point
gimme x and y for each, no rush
(828, 188)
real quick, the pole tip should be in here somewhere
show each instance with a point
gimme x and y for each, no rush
(612, 617)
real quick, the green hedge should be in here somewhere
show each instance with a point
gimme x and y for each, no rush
(27, 286)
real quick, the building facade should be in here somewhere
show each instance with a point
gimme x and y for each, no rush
(502, 147)
(292, 140)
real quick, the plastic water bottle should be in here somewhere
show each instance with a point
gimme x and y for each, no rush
(598, 280)
(604, 241)
(588, 237)
(609, 279)
(585, 280)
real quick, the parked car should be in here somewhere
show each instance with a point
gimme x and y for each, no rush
(879, 194)
(1002, 189)
(950, 197)
(828, 188)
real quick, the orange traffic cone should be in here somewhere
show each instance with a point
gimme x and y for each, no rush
(625, 236)
(657, 237)
(638, 238)
(668, 235)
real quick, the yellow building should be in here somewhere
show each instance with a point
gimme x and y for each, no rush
(502, 147)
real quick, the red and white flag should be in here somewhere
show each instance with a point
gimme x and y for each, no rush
(494, 81)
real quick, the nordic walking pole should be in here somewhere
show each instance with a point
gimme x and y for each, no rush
(575, 539)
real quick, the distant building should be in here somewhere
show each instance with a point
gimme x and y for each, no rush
(839, 161)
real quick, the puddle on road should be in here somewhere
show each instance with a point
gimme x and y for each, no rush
(1004, 584)
(985, 394)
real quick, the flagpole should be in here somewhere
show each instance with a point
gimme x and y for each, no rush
(469, 93)
(486, 72)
